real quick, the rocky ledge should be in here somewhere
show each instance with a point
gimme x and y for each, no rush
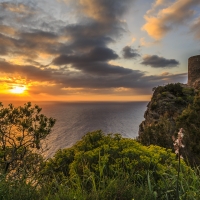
(166, 104)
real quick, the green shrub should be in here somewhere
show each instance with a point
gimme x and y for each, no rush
(17, 190)
(108, 166)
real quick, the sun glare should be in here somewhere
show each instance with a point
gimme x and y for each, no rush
(18, 89)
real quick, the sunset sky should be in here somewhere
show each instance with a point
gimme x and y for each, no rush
(94, 50)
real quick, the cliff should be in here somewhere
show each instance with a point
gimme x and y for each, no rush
(172, 107)
(167, 103)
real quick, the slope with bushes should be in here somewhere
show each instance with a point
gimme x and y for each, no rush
(172, 107)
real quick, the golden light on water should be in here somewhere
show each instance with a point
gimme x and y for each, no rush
(18, 89)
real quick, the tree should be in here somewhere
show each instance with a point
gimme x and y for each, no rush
(21, 132)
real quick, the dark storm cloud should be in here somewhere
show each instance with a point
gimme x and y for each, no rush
(3, 50)
(76, 79)
(1, 18)
(6, 44)
(95, 55)
(89, 35)
(88, 40)
(102, 79)
(134, 80)
(29, 44)
(25, 71)
(130, 53)
(159, 62)
(39, 36)
(102, 68)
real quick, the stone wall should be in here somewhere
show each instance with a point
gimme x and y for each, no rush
(194, 71)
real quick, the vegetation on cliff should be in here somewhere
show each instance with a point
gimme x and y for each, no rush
(172, 107)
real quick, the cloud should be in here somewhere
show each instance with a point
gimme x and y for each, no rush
(156, 5)
(31, 44)
(19, 8)
(195, 28)
(130, 53)
(177, 13)
(98, 54)
(85, 36)
(24, 31)
(89, 39)
(43, 35)
(102, 69)
(159, 62)
(49, 79)
(104, 11)
(28, 72)
(63, 55)
(145, 43)
(7, 30)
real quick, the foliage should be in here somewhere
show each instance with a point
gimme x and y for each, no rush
(175, 89)
(21, 131)
(175, 112)
(159, 133)
(17, 190)
(101, 167)
(190, 121)
(111, 166)
(167, 104)
(174, 94)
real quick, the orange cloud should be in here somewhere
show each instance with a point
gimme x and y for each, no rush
(16, 8)
(145, 43)
(95, 9)
(7, 30)
(159, 24)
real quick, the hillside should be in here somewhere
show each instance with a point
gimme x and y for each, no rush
(172, 107)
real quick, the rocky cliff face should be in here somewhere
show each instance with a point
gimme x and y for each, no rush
(166, 104)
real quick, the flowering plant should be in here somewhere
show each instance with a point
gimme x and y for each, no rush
(178, 143)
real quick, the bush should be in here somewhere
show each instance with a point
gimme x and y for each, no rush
(17, 190)
(111, 167)
(189, 120)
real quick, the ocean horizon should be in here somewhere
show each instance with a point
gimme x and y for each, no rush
(75, 119)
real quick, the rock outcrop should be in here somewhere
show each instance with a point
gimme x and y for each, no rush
(166, 104)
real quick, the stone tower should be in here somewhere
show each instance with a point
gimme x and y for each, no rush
(194, 71)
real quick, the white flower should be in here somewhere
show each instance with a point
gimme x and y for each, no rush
(178, 142)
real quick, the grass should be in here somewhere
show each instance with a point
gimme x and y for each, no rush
(108, 167)
(124, 186)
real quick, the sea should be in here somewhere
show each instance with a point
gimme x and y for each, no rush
(74, 120)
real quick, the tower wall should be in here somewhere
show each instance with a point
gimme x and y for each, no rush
(193, 69)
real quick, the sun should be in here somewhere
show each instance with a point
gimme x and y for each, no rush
(18, 89)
